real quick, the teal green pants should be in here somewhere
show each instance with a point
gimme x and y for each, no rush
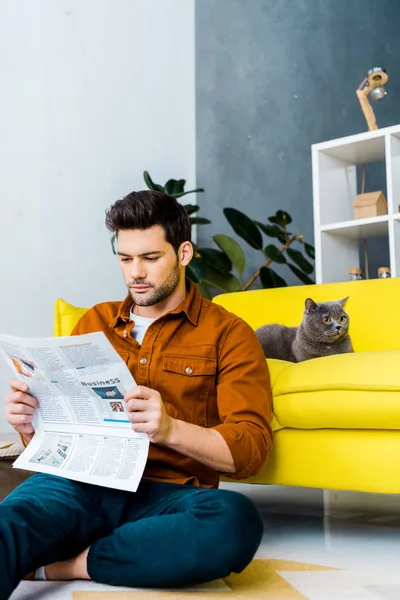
(164, 535)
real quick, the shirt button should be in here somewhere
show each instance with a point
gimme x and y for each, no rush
(143, 361)
(188, 370)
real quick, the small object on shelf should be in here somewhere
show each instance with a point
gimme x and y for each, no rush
(384, 272)
(355, 273)
(372, 204)
(372, 85)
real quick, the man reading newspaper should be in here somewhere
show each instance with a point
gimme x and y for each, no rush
(203, 398)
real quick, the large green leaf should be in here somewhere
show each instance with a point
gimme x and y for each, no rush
(300, 261)
(273, 253)
(281, 218)
(196, 269)
(150, 183)
(199, 221)
(271, 230)
(216, 259)
(196, 191)
(274, 231)
(302, 276)
(174, 187)
(244, 227)
(222, 281)
(310, 250)
(284, 217)
(233, 250)
(270, 279)
(191, 208)
(204, 290)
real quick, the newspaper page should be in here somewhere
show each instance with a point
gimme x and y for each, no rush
(82, 429)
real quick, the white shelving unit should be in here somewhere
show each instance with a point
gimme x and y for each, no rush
(337, 232)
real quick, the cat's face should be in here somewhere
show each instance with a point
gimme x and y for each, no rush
(326, 322)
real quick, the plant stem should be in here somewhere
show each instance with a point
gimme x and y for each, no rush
(252, 279)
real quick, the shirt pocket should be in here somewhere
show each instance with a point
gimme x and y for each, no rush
(187, 381)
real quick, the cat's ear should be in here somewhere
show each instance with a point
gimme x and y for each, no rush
(310, 305)
(343, 302)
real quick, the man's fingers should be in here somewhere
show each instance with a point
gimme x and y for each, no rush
(137, 404)
(144, 417)
(21, 409)
(21, 398)
(143, 427)
(20, 414)
(20, 419)
(140, 391)
(18, 386)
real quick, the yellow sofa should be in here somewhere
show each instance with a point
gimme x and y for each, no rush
(336, 419)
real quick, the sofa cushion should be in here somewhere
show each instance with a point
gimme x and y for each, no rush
(345, 391)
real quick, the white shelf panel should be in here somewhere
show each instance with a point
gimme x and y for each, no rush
(374, 227)
(360, 152)
(362, 147)
(394, 164)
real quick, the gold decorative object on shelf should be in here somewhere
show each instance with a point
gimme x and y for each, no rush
(383, 272)
(355, 273)
(373, 85)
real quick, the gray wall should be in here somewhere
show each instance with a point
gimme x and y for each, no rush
(272, 78)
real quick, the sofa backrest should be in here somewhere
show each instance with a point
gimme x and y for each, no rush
(373, 306)
(66, 317)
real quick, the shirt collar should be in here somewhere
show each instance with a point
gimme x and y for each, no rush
(190, 306)
(123, 313)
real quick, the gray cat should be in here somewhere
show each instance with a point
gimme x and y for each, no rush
(324, 330)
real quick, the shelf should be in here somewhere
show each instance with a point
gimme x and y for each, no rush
(356, 149)
(360, 152)
(338, 235)
(375, 227)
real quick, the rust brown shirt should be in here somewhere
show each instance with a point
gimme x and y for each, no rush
(210, 370)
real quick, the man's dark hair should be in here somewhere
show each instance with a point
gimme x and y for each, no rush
(145, 209)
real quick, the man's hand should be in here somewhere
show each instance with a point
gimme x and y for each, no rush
(148, 415)
(19, 408)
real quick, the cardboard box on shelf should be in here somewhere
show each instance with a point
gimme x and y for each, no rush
(372, 204)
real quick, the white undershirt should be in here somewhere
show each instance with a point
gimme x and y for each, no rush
(141, 326)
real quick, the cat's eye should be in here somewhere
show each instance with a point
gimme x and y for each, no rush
(342, 319)
(327, 319)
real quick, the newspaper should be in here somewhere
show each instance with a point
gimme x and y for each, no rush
(82, 429)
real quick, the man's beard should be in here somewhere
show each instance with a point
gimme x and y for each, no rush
(160, 293)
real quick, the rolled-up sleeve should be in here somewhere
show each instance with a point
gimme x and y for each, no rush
(244, 400)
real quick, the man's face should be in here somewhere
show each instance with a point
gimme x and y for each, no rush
(151, 269)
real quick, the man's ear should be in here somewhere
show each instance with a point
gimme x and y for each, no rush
(310, 305)
(185, 253)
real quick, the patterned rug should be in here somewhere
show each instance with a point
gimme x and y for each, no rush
(263, 579)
